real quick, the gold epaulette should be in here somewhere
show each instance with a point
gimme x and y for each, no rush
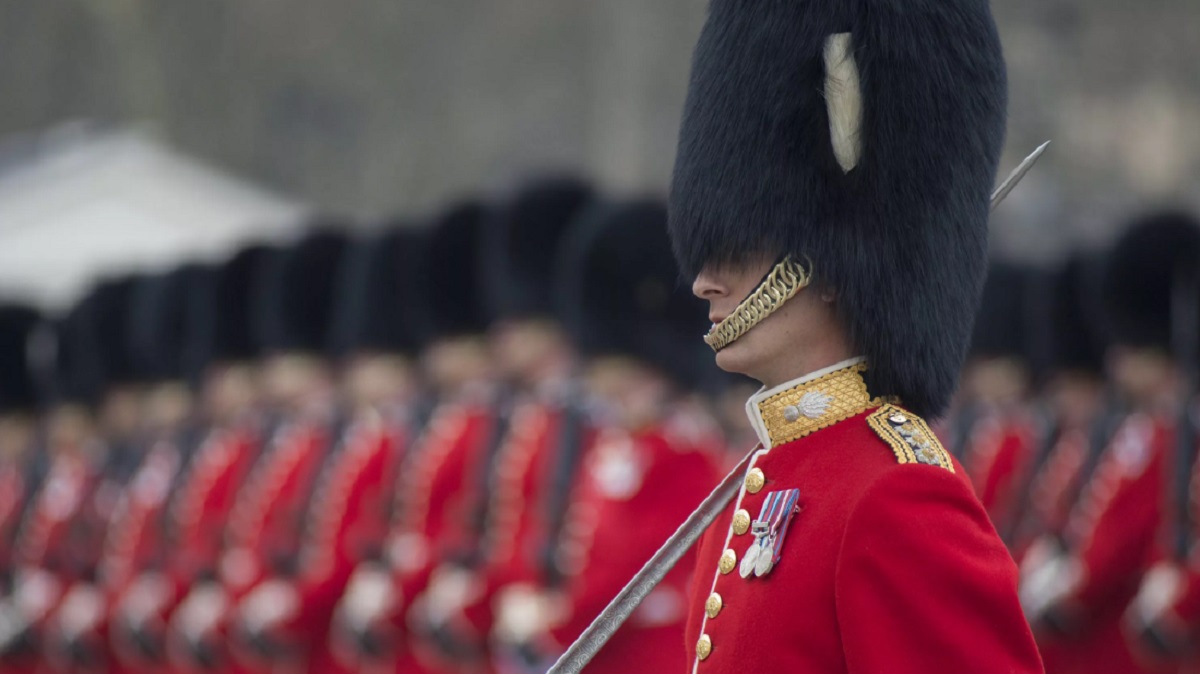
(911, 439)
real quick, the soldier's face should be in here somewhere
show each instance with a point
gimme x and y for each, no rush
(802, 336)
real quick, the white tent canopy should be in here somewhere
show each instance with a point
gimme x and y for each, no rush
(84, 204)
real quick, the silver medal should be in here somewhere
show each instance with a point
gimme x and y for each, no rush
(749, 561)
(765, 560)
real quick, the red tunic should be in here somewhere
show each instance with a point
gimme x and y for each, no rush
(998, 457)
(889, 565)
(636, 491)
(1113, 535)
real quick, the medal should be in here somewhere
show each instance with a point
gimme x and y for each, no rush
(749, 561)
(770, 530)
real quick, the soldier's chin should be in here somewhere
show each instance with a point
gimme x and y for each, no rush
(739, 357)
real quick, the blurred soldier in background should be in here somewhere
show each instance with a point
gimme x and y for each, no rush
(653, 458)
(430, 499)
(1114, 533)
(18, 427)
(160, 334)
(1164, 618)
(295, 292)
(378, 326)
(221, 348)
(534, 451)
(1002, 436)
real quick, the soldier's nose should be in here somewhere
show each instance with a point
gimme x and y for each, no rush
(708, 286)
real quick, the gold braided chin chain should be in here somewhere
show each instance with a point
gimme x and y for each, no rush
(784, 281)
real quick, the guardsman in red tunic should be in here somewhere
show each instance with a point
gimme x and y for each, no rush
(830, 199)
(1004, 438)
(265, 525)
(652, 462)
(1163, 621)
(196, 514)
(539, 449)
(1114, 533)
(430, 511)
(377, 329)
(18, 427)
(157, 335)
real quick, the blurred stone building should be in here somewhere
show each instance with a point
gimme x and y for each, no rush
(374, 107)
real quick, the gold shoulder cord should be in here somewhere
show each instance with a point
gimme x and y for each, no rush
(784, 281)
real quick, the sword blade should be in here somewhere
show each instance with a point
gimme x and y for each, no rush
(621, 607)
(1015, 177)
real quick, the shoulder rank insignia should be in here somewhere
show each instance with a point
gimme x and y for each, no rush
(909, 437)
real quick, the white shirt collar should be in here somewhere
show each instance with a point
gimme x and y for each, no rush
(752, 405)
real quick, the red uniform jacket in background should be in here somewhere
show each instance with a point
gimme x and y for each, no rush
(636, 490)
(890, 563)
(1113, 533)
(998, 458)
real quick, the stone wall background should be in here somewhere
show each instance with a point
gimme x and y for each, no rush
(376, 107)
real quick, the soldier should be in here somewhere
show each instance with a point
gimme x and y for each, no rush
(379, 325)
(158, 333)
(264, 530)
(18, 426)
(1163, 621)
(653, 458)
(1003, 437)
(428, 515)
(536, 451)
(1112, 535)
(219, 307)
(830, 199)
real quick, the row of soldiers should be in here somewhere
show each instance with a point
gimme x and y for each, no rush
(1076, 421)
(431, 448)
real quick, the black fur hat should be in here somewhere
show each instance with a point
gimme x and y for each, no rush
(18, 382)
(296, 294)
(1078, 338)
(519, 237)
(1149, 262)
(452, 272)
(110, 317)
(862, 138)
(380, 306)
(222, 304)
(162, 327)
(620, 291)
(1006, 318)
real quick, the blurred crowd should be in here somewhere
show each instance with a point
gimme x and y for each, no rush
(446, 444)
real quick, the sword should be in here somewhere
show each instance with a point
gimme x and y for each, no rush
(576, 657)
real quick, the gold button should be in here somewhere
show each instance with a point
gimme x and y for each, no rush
(755, 480)
(714, 605)
(704, 647)
(728, 561)
(741, 522)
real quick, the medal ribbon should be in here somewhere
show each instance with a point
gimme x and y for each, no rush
(780, 524)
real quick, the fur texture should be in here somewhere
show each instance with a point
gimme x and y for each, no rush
(451, 273)
(1157, 251)
(17, 378)
(519, 234)
(296, 294)
(903, 236)
(620, 291)
(378, 307)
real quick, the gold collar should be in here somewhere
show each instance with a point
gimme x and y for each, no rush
(806, 405)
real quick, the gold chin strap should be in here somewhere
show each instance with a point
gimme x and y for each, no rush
(784, 281)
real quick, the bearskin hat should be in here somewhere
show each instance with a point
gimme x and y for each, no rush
(162, 327)
(520, 235)
(1006, 319)
(379, 304)
(620, 291)
(223, 304)
(452, 272)
(18, 380)
(296, 293)
(1157, 257)
(110, 317)
(861, 138)
(1078, 338)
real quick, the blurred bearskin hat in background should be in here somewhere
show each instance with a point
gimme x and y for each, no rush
(18, 377)
(862, 139)
(621, 293)
(1006, 322)
(162, 327)
(521, 234)
(1150, 263)
(296, 294)
(1078, 339)
(379, 304)
(452, 272)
